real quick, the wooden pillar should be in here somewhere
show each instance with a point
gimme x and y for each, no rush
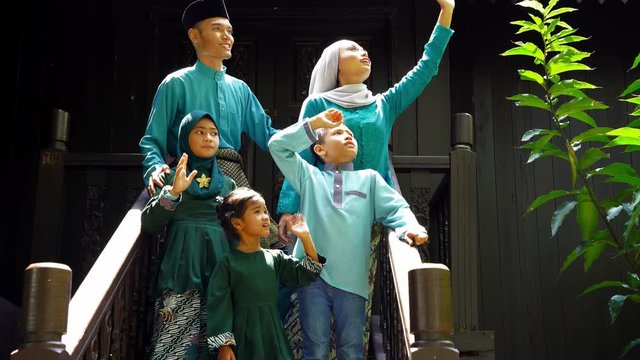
(464, 225)
(45, 244)
(431, 315)
(45, 304)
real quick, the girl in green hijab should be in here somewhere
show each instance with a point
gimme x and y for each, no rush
(194, 239)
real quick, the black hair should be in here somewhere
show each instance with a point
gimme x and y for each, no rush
(321, 133)
(234, 205)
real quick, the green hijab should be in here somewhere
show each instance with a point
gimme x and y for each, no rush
(207, 166)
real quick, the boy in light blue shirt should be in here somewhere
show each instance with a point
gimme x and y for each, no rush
(340, 206)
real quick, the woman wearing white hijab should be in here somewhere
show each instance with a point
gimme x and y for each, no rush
(337, 81)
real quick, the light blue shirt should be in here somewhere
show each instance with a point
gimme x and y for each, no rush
(235, 108)
(372, 124)
(340, 206)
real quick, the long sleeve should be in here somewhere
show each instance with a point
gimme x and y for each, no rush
(154, 143)
(284, 147)
(296, 273)
(220, 307)
(257, 124)
(402, 94)
(158, 211)
(390, 208)
(289, 199)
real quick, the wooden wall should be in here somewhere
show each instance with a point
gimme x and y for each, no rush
(535, 312)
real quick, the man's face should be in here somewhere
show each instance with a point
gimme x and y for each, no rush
(214, 38)
(339, 145)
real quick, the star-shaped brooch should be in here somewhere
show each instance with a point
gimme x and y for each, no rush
(203, 181)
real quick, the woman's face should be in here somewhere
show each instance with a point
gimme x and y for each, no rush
(354, 65)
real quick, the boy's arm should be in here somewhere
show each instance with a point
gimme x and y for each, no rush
(393, 211)
(257, 123)
(284, 147)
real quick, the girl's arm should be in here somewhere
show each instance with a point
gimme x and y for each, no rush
(298, 226)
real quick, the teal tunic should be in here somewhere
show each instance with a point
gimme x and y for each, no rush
(235, 108)
(242, 301)
(372, 124)
(340, 206)
(194, 240)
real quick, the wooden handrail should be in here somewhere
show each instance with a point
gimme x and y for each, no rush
(95, 295)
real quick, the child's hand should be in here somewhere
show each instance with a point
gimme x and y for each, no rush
(446, 4)
(181, 181)
(297, 225)
(417, 237)
(225, 353)
(327, 119)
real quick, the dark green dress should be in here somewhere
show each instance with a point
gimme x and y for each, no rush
(242, 301)
(194, 243)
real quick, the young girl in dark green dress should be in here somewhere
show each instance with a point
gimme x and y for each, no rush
(194, 241)
(243, 321)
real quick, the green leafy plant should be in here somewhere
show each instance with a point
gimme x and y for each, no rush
(610, 224)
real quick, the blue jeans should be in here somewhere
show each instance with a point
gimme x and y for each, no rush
(318, 301)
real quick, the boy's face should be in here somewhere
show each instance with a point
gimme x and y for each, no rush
(213, 37)
(203, 138)
(339, 145)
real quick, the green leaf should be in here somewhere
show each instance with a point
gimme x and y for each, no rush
(635, 123)
(624, 179)
(615, 305)
(526, 26)
(560, 11)
(604, 284)
(633, 219)
(615, 169)
(573, 255)
(632, 343)
(635, 62)
(560, 214)
(569, 56)
(591, 156)
(532, 133)
(529, 100)
(562, 87)
(587, 215)
(624, 141)
(635, 86)
(592, 253)
(569, 39)
(526, 49)
(558, 68)
(613, 212)
(550, 6)
(532, 76)
(554, 194)
(560, 34)
(630, 149)
(634, 280)
(533, 5)
(595, 134)
(626, 132)
(584, 117)
(573, 161)
(580, 104)
(632, 100)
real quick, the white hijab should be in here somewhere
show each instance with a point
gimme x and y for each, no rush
(324, 80)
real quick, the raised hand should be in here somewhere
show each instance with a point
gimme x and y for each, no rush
(297, 225)
(181, 181)
(327, 119)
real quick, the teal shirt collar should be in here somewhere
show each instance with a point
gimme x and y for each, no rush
(209, 72)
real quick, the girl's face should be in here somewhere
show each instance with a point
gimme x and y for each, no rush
(203, 138)
(255, 220)
(354, 63)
